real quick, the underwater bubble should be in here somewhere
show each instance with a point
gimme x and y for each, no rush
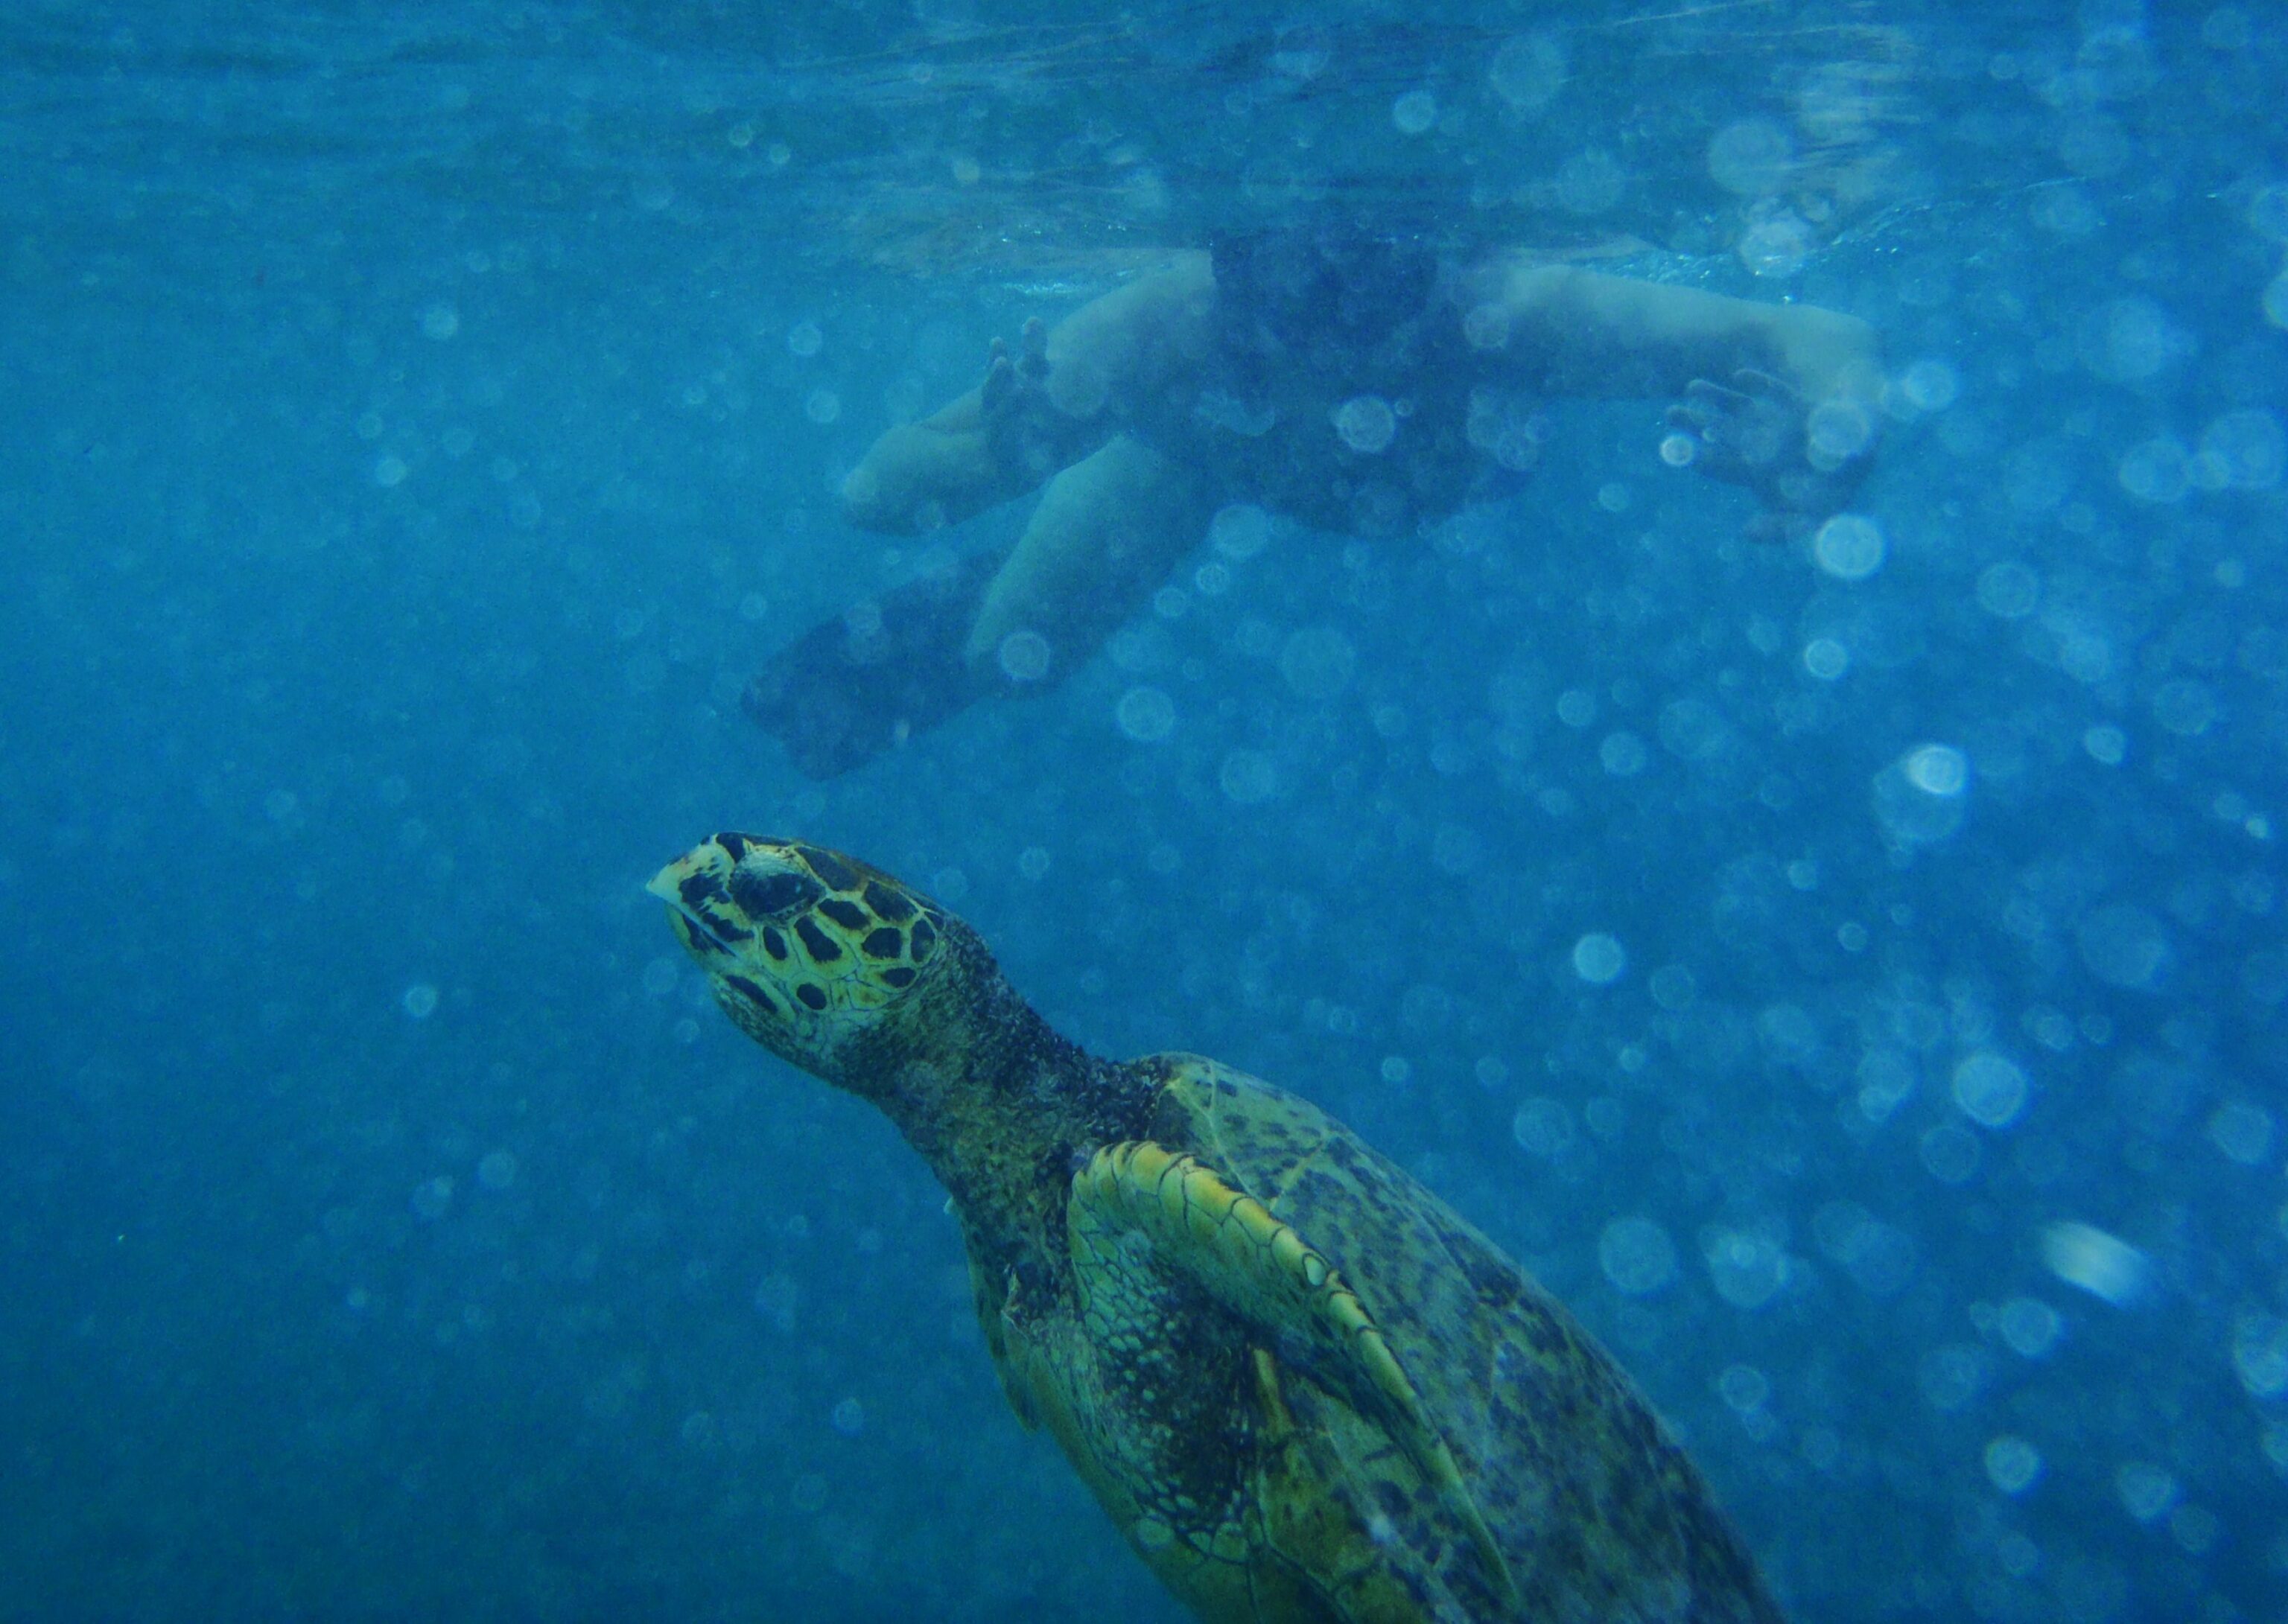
(1366, 423)
(821, 406)
(2029, 1327)
(1952, 1376)
(1317, 663)
(1775, 246)
(1240, 530)
(420, 1000)
(1598, 959)
(659, 976)
(1747, 1270)
(1542, 1127)
(1528, 70)
(2249, 447)
(804, 338)
(2154, 470)
(1836, 431)
(1920, 798)
(1938, 769)
(2268, 212)
(1247, 777)
(1033, 862)
(2276, 300)
(1826, 659)
(1744, 1387)
(2243, 1132)
(1950, 1154)
(2107, 745)
(1751, 157)
(2124, 946)
(2184, 706)
(1849, 547)
(1624, 755)
(497, 1169)
(753, 607)
(1415, 111)
(1989, 1089)
(389, 471)
(2132, 339)
(1679, 450)
(2260, 1354)
(1637, 1256)
(2009, 591)
(440, 321)
(2012, 1465)
(1673, 988)
(1146, 715)
(433, 1198)
(1930, 385)
(1024, 656)
(849, 1418)
(2107, 1268)
(2147, 1491)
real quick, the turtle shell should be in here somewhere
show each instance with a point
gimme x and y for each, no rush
(1594, 1506)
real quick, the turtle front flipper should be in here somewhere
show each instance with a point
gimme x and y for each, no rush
(1139, 1197)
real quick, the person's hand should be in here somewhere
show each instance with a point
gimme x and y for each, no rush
(1021, 422)
(1803, 461)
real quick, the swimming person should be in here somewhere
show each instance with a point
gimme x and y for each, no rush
(1360, 385)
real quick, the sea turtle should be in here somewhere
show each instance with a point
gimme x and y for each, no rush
(1304, 1387)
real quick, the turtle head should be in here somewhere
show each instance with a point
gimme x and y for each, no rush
(815, 956)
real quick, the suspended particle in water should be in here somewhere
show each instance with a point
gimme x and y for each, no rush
(804, 338)
(1240, 530)
(2012, 1465)
(1637, 1256)
(420, 1000)
(1989, 1089)
(1366, 423)
(1415, 112)
(1024, 656)
(1146, 715)
(2104, 1265)
(497, 1169)
(1598, 959)
(433, 1198)
(849, 1418)
(1848, 547)
(1528, 70)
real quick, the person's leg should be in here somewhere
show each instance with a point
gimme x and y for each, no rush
(1107, 531)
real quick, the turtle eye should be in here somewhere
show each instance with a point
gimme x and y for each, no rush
(766, 896)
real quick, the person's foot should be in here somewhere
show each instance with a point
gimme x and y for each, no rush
(876, 675)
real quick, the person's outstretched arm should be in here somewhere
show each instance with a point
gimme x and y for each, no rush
(1780, 398)
(1068, 390)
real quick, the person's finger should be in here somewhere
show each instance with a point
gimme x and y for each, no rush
(1763, 385)
(1034, 338)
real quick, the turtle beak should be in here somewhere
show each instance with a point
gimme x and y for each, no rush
(697, 873)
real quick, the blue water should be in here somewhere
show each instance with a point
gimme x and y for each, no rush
(1857, 990)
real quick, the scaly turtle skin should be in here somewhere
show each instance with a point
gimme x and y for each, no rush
(1306, 1390)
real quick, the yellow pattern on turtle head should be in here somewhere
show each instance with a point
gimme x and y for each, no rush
(802, 947)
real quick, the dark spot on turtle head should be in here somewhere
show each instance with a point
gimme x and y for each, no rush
(754, 993)
(848, 915)
(773, 944)
(763, 895)
(885, 943)
(889, 902)
(829, 868)
(736, 845)
(924, 937)
(695, 888)
(899, 977)
(822, 948)
(813, 995)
